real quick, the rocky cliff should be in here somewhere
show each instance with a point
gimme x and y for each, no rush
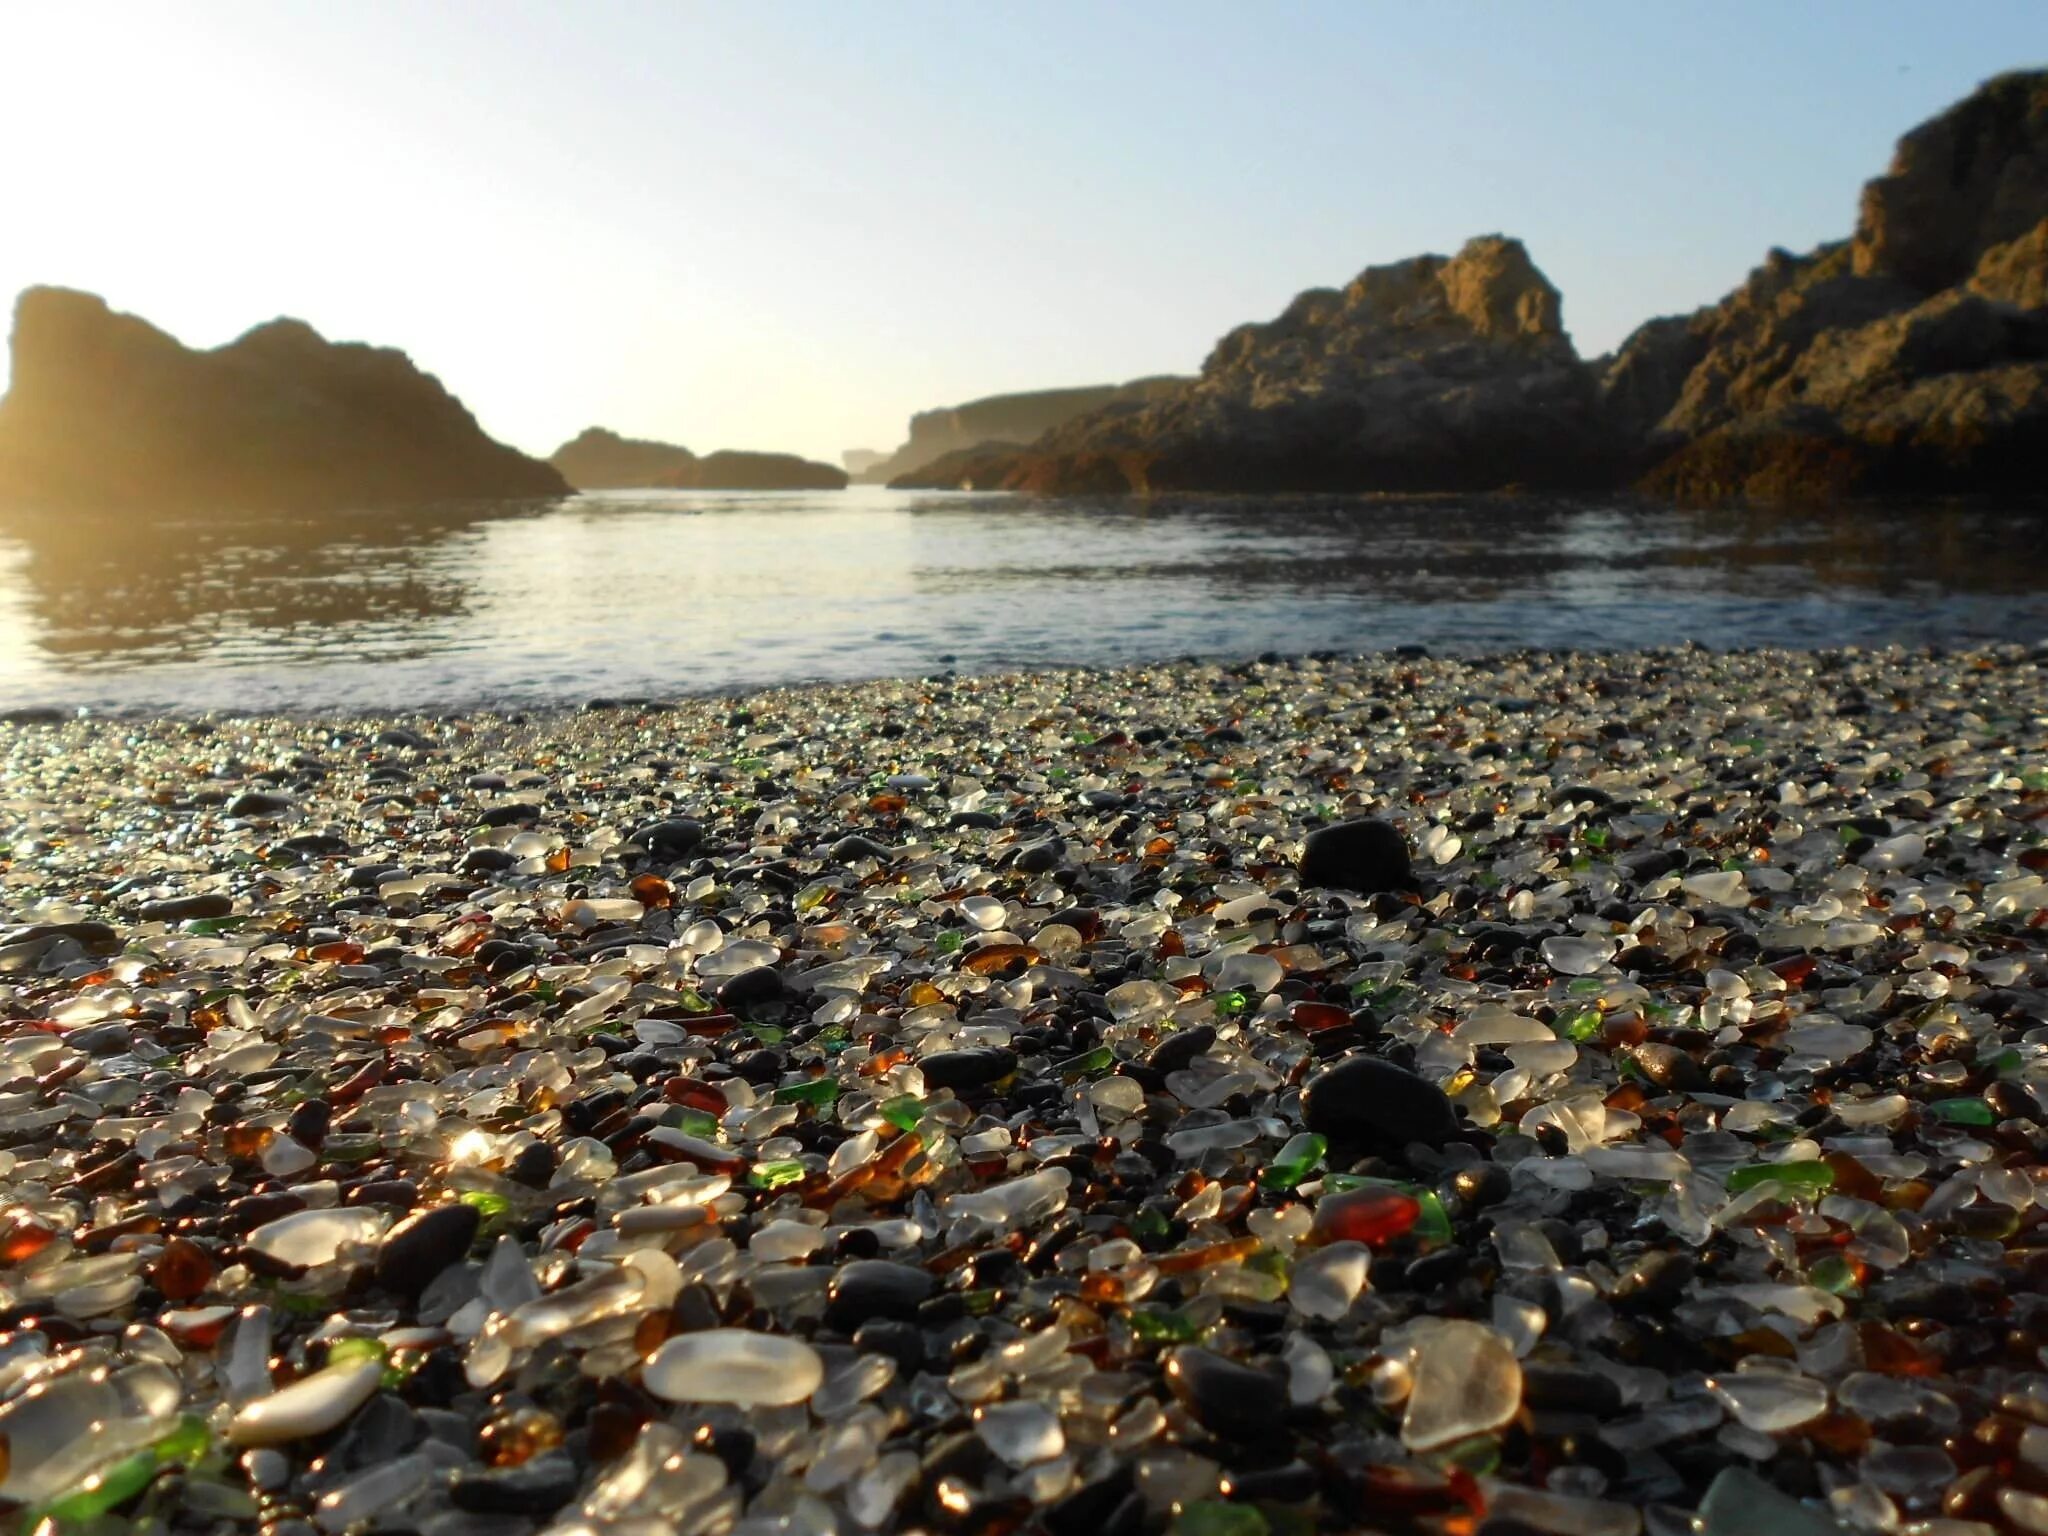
(1436, 373)
(1910, 358)
(106, 410)
(1006, 419)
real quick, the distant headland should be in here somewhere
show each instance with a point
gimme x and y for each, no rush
(600, 460)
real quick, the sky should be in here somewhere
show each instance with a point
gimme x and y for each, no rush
(788, 225)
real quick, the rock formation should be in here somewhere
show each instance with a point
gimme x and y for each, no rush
(1910, 358)
(1434, 373)
(1005, 419)
(598, 460)
(859, 461)
(729, 470)
(105, 410)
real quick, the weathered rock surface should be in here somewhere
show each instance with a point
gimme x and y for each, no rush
(1911, 358)
(1000, 421)
(1436, 373)
(984, 467)
(106, 410)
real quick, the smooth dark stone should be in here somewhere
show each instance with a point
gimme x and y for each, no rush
(423, 1245)
(1481, 1186)
(751, 989)
(308, 1122)
(534, 1165)
(973, 1067)
(100, 1039)
(185, 909)
(1362, 1101)
(401, 1194)
(1367, 856)
(486, 861)
(1037, 858)
(537, 1487)
(99, 938)
(853, 848)
(875, 1288)
(1574, 1388)
(1650, 864)
(676, 837)
(509, 815)
(1179, 1048)
(1669, 1067)
(900, 1341)
(1657, 1279)
(501, 957)
(1234, 1401)
(256, 802)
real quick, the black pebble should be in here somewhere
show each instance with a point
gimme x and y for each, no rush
(1234, 1401)
(1363, 1101)
(973, 1067)
(1367, 855)
(540, 1486)
(423, 1245)
(875, 1288)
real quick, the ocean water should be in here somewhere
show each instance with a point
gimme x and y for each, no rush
(659, 594)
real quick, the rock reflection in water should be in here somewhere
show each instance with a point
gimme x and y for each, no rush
(654, 593)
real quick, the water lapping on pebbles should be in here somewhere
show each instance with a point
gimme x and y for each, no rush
(1572, 1092)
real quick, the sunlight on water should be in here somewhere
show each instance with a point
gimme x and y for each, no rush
(661, 593)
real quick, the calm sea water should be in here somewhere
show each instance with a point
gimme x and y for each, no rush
(651, 594)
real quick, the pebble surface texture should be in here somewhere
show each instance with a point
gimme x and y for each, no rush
(951, 1105)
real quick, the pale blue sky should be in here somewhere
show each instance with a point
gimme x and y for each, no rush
(788, 225)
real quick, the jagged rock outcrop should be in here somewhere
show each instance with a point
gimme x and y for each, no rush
(600, 460)
(1436, 373)
(732, 470)
(1911, 358)
(1973, 178)
(1003, 419)
(983, 467)
(105, 410)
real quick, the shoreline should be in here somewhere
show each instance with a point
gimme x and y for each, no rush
(545, 708)
(880, 1100)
